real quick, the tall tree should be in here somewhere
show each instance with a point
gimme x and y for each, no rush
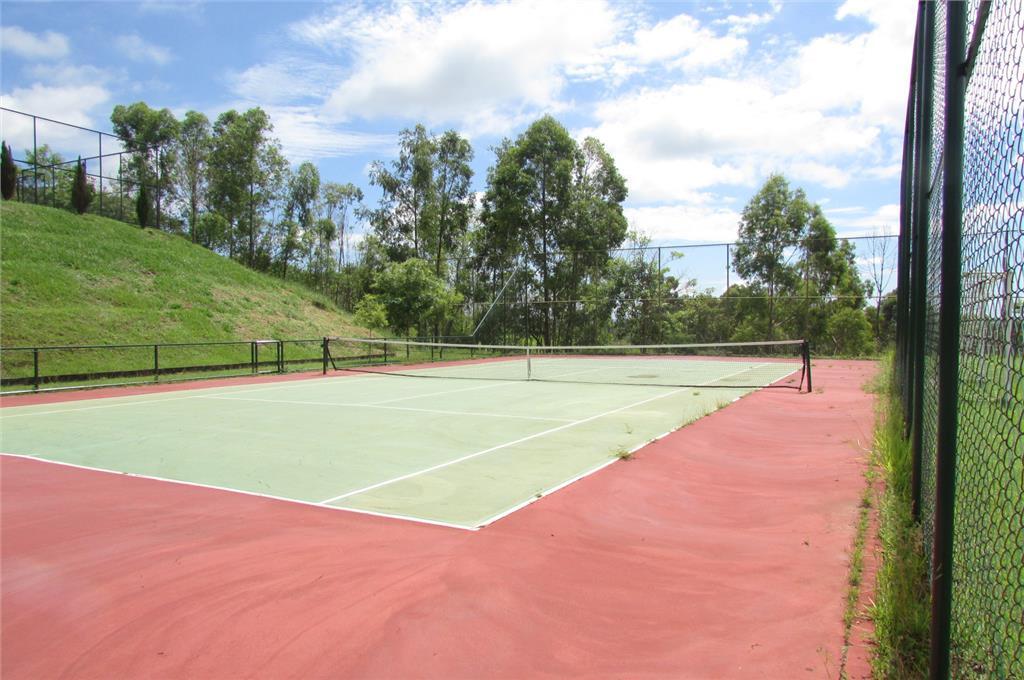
(772, 223)
(337, 200)
(194, 142)
(529, 207)
(149, 135)
(405, 194)
(246, 176)
(452, 195)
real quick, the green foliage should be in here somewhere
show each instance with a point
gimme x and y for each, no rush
(142, 206)
(414, 297)
(194, 143)
(81, 190)
(149, 135)
(546, 194)
(371, 313)
(8, 172)
(850, 332)
(901, 602)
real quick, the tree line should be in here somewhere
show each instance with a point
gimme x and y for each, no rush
(537, 257)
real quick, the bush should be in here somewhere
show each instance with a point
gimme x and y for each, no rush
(850, 332)
(142, 206)
(371, 313)
(81, 190)
(8, 173)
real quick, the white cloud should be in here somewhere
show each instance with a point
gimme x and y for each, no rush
(475, 61)
(285, 80)
(305, 135)
(48, 45)
(66, 103)
(63, 73)
(134, 47)
(740, 24)
(867, 73)
(714, 223)
(489, 66)
(864, 223)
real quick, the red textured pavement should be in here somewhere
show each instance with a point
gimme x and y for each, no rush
(720, 551)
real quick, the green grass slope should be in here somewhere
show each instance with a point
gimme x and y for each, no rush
(70, 279)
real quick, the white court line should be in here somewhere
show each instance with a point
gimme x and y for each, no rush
(528, 438)
(434, 394)
(228, 489)
(141, 402)
(439, 466)
(519, 381)
(559, 487)
(387, 408)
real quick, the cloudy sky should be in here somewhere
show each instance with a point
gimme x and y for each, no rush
(697, 101)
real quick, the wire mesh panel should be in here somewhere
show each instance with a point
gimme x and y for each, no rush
(986, 393)
(988, 541)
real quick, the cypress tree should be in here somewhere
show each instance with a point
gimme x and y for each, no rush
(142, 206)
(81, 192)
(8, 173)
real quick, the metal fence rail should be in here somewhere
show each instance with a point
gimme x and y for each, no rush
(62, 367)
(960, 327)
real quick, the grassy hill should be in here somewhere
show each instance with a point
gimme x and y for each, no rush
(67, 279)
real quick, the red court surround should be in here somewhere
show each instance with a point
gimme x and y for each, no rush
(720, 551)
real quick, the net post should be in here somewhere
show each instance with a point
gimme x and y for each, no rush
(805, 350)
(324, 358)
(529, 367)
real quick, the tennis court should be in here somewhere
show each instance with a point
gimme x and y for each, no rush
(501, 429)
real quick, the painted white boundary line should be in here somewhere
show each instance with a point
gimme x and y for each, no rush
(387, 408)
(573, 480)
(461, 459)
(282, 499)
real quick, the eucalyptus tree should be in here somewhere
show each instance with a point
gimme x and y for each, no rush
(406, 192)
(555, 209)
(338, 200)
(246, 177)
(771, 225)
(149, 135)
(194, 145)
(452, 195)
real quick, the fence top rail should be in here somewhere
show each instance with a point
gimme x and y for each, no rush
(78, 127)
(140, 345)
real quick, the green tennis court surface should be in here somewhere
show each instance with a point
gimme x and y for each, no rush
(456, 451)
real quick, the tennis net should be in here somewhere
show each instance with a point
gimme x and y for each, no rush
(781, 363)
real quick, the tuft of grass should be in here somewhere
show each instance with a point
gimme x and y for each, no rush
(622, 454)
(901, 607)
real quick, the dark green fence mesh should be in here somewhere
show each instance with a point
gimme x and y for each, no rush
(987, 531)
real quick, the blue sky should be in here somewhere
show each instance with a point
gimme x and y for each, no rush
(697, 101)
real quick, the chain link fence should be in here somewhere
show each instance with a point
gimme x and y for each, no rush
(960, 328)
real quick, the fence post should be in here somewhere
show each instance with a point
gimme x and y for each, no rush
(949, 338)
(254, 356)
(101, 170)
(280, 356)
(35, 164)
(919, 255)
(156, 362)
(35, 368)
(325, 355)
